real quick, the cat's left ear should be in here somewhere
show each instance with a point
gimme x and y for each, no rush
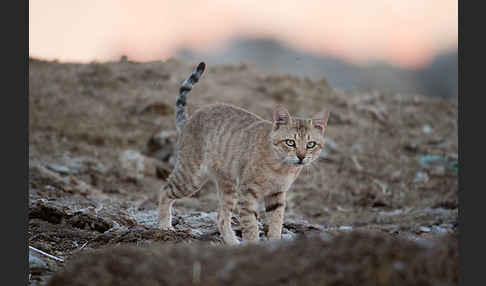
(320, 120)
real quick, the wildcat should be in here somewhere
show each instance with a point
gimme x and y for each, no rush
(246, 156)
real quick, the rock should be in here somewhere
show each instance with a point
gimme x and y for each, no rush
(439, 230)
(438, 171)
(35, 263)
(161, 145)
(424, 229)
(427, 129)
(63, 170)
(396, 176)
(391, 213)
(76, 165)
(153, 167)
(66, 183)
(421, 177)
(453, 156)
(357, 148)
(438, 164)
(136, 165)
(429, 160)
(412, 147)
(346, 228)
(162, 171)
(437, 141)
(85, 164)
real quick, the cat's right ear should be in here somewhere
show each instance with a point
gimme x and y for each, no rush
(281, 117)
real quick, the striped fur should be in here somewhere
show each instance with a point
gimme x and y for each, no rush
(248, 159)
(181, 102)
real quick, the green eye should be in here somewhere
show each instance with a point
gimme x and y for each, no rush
(290, 142)
(311, 144)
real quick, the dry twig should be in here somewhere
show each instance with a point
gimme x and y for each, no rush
(46, 254)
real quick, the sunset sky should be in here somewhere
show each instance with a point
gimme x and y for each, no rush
(408, 33)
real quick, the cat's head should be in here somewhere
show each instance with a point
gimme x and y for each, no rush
(298, 141)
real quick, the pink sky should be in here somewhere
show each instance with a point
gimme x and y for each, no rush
(408, 33)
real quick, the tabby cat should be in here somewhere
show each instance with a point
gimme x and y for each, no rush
(246, 156)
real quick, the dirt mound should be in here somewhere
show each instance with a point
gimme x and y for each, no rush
(101, 140)
(348, 259)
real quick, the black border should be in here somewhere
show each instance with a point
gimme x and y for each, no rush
(15, 142)
(460, 187)
(463, 267)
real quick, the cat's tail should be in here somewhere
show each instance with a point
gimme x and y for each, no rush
(181, 102)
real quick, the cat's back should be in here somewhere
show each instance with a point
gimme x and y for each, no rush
(222, 115)
(220, 130)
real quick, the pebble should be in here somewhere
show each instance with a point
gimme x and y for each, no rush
(424, 229)
(421, 177)
(439, 230)
(63, 170)
(438, 171)
(427, 129)
(136, 165)
(391, 213)
(357, 148)
(132, 162)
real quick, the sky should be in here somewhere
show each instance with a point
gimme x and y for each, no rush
(405, 33)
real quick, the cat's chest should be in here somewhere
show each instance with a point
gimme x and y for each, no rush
(270, 182)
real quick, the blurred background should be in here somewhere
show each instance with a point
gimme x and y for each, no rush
(405, 46)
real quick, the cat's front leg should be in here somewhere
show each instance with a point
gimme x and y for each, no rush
(248, 205)
(275, 207)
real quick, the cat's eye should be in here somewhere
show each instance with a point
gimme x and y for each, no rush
(290, 142)
(311, 144)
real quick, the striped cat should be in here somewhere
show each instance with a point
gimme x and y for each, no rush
(246, 156)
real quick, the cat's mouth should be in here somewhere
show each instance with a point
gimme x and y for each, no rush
(301, 162)
(295, 161)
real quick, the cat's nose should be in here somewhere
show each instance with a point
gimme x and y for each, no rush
(301, 157)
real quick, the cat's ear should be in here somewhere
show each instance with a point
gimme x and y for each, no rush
(281, 117)
(320, 120)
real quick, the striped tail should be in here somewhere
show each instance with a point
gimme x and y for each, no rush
(181, 114)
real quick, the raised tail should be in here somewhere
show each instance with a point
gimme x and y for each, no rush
(181, 114)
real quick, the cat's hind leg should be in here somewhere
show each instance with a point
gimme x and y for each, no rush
(227, 202)
(181, 183)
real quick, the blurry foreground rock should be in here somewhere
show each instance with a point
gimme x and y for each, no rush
(349, 259)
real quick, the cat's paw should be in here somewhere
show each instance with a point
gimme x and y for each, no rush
(230, 238)
(232, 241)
(166, 226)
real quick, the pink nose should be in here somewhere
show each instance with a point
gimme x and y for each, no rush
(301, 156)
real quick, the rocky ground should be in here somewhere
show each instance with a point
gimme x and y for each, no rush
(380, 206)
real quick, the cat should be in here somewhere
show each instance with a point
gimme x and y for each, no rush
(248, 158)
